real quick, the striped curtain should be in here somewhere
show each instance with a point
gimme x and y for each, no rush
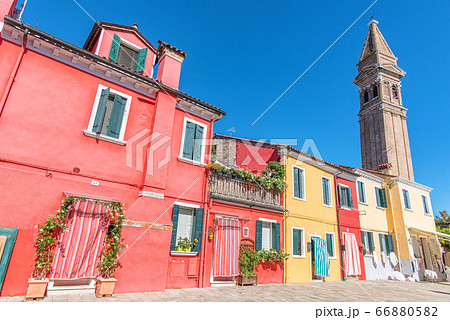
(321, 258)
(78, 254)
(226, 247)
(351, 255)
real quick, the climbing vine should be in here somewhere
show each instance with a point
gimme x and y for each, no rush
(50, 232)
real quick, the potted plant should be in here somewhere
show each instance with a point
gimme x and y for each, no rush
(185, 245)
(248, 260)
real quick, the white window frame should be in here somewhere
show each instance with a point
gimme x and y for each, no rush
(409, 198)
(364, 241)
(427, 204)
(303, 182)
(303, 249)
(385, 243)
(205, 133)
(95, 109)
(191, 208)
(364, 191)
(334, 244)
(330, 192)
(342, 206)
(376, 204)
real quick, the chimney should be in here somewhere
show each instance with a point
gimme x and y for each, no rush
(169, 68)
(385, 168)
(6, 8)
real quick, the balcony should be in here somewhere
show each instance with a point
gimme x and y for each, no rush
(232, 189)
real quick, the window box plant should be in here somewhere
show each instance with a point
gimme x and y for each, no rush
(248, 260)
(185, 245)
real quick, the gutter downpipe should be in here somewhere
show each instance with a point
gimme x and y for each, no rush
(13, 74)
(339, 223)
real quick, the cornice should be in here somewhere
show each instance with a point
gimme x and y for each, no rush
(413, 184)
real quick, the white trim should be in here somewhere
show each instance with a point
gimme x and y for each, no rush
(427, 204)
(268, 220)
(364, 191)
(195, 163)
(188, 205)
(245, 232)
(128, 43)
(345, 207)
(334, 244)
(1, 26)
(104, 138)
(303, 183)
(183, 253)
(205, 134)
(330, 192)
(99, 42)
(125, 113)
(303, 250)
(411, 184)
(151, 194)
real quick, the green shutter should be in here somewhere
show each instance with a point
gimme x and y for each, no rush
(296, 183)
(198, 139)
(258, 240)
(349, 198)
(115, 122)
(198, 229)
(11, 235)
(382, 248)
(390, 244)
(295, 242)
(341, 196)
(142, 57)
(114, 48)
(330, 244)
(363, 241)
(377, 195)
(189, 135)
(301, 178)
(173, 240)
(371, 243)
(383, 199)
(325, 192)
(101, 110)
(276, 236)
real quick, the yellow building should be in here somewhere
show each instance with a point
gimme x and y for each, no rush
(311, 212)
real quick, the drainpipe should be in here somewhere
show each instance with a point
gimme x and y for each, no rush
(339, 222)
(205, 228)
(12, 77)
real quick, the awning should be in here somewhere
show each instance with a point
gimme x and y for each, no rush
(444, 236)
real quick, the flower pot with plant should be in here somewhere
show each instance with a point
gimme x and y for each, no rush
(185, 245)
(248, 260)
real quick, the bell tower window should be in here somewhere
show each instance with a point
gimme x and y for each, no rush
(366, 96)
(395, 92)
(375, 91)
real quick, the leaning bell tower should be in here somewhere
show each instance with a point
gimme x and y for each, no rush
(382, 117)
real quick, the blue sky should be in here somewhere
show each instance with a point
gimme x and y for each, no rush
(241, 55)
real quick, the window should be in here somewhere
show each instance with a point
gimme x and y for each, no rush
(267, 235)
(367, 241)
(110, 113)
(380, 195)
(127, 54)
(345, 197)
(362, 192)
(331, 244)
(187, 223)
(406, 199)
(299, 183)
(298, 242)
(386, 243)
(425, 205)
(366, 96)
(193, 144)
(326, 191)
(375, 91)
(395, 92)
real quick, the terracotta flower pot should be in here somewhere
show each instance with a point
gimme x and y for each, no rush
(105, 287)
(246, 280)
(36, 289)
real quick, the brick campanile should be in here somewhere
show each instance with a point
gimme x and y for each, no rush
(382, 117)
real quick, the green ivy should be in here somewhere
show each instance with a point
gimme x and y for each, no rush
(49, 234)
(249, 259)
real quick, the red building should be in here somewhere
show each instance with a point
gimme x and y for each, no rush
(349, 225)
(95, 122)
(240, 212)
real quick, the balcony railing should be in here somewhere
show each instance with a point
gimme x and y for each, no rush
(221, 186)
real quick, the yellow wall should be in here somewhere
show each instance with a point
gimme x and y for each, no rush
(313, 216)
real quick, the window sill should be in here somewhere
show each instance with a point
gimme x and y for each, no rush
(364, 203)
(345, 208)
(328, 206)
(304, 199)
(183, 253)
(410, 210)
(195, 163)
(298, 257)
(381, 208)
(104, 138)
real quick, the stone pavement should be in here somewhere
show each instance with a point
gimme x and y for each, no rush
(381, 290)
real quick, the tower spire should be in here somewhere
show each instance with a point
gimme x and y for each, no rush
(376, 45)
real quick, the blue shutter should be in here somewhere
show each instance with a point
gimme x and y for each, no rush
(173, 240)
(198, 229)
(114, 51)
(11, 235)
(115, 122)
(141, 59)
(198, 139)
(189, 135)
(295, 242)
(101, 110)
(276, 236)
(258, 240)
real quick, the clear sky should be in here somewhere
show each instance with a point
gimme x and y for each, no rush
(241, 55)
